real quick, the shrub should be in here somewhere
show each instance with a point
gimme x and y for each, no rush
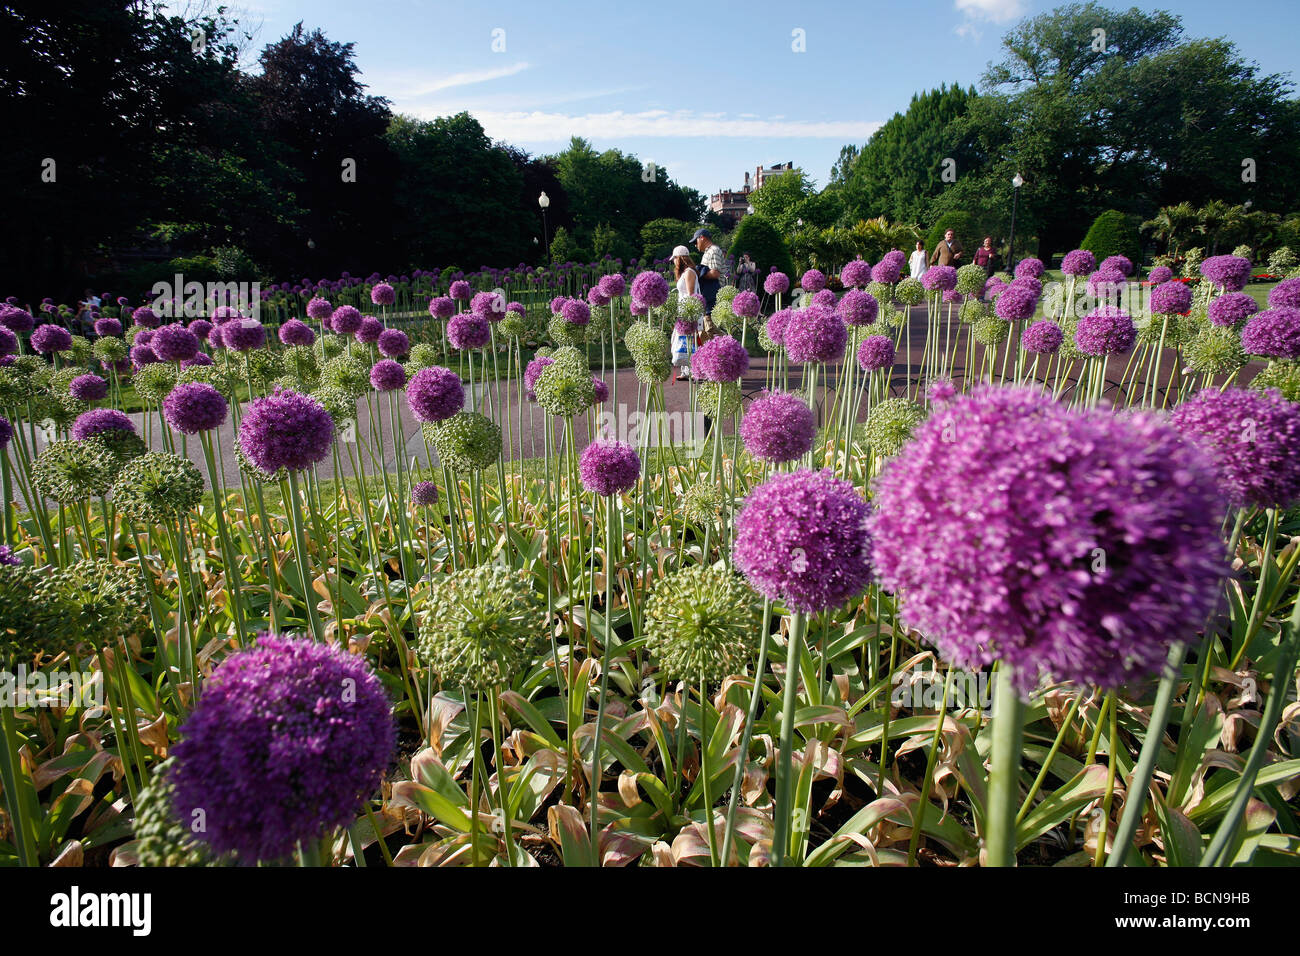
(757, 236)
(1114, 234)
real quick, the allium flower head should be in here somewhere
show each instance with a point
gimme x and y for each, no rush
(369, 331)
(442, 307)
(296, 332)
(1121, 264)
(576, 312)
(1231, 309)
(814, 280)
(801, 539)
(99, 420)
(174, 343)
(1068, 542)
(1171, 298)
(88, 388)
(108, 326)
(424, 494)
(600, 391)
(460, 289)
(319, 309)
(482, 627)
(243, 335)
(382, 294)
(533, 371)
(970, 280)
(1229, 273)
(745, 305)
(1252, 438)
(146, 317)
(288, 740)
(393, 343)
(595, 298)
(1285, 293)
(1015, 304)
(609, 467)
(720, 359)
(778, 427)
(613, 285)
(718, 400)
(468, 331)
(49, 339)
(910, 291)
(1273, 333)
(286, 430)
(435, 393)
(815, 334)
(387, 375)
(776, 283)
(157, 488)
(856, 274)
(876, 352)
(1160, 275)
(699, 624)
(1107, 330)
(940, 391)
(1043, 337)
(650, 289)
(563, 390)
(939, 278)
(890, 423)
(15, 319)
(193, 407)
(858, 307)
(467, 441)
(776, 323)
(701, 502)
(1030, 268)
(1284, 377)
(1080, 262)
(345, 320)
(71, 471)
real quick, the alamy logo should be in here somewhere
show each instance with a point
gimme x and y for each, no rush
(76, 909)
(23, 688)
(196, 300)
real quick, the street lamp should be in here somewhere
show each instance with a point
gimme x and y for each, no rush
(544, 200)
(1016, 182)
(311, 243)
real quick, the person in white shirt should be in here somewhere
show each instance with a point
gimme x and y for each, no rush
(916, 262)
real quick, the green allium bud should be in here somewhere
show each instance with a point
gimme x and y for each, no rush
(563, 332)
(468, 441)
(154, 382)
(701, 502)
(971, 279)
(699, 624)
(35, 614)
(990, 330)
(160, 838)
(106, 602)
(890, 424)
(109, 350)
(563, 391)
(345, 374)
(706, 398)
(70, 471)
(1283, 376)
(910, 291)
(158, 488)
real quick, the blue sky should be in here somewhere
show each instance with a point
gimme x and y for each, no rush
(707, 90)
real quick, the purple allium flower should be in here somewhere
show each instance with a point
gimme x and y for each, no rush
(876, 352)
(720, 359)
(776, 283)
(15, 319)
(600, 389)
(286, 430)
(801, 539)
(368, 332)
(778, 427)
(745, 305)
(484, 304)
(685, 327)
(393, 343)
(88, 388)
(858, 307)
(1031, 283)
(609, 467)
(953, 297)
(435, 394)
(939, 278)
(1105, 281)
(1106, 330)
(223, 314)
(174, 343)
(243, 335)
(424, 494)
(1251, 436)
(814, 280)
(518, 308)
(460, 289)
(201, 328)
(1066, 542)
(1285, 293)
(146, 317)
(576, 312)
(288, 740)
(1160, 274)
(193, 407)
(48, 339)
(596, 298)
(856, 274)
(824, 297)
(319, 309)
(387, 375)
(1274, 333)
(346, 320)
(1080, 262)
(814, 334)
(1171, 298)
(533, 371)
(557, 304)
(8, 343)
(143, 337)
(993, 288)
(202, 358)
(1030, 268)
(1043, 337)
(1121, 264)
(142, 355)
(468, 331)
(6, 433)
(941, 391)
(650, 289)
(7, 557)
(382, 294)
(1230, 273)
(442, 307)
(106, 328)
(100, 420)
(1016, 303)
(638, 308)
(295, 332)
(613, 285)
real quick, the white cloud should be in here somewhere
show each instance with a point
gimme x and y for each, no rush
(542, 126)
(999, 11)
(400, 86)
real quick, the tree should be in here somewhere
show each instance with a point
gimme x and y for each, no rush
(781, 200)
(1172, 225)
(660, 236)
(756, 235)
(1114, 233)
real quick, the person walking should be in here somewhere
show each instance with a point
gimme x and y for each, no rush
(947, 252)
(712, 266)
(984, 254)
(916, 262)
(687, 285)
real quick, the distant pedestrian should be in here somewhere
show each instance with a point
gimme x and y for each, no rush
(713, 266)
(984, 254)
(916, 263)
(746, 274)
(948, 251)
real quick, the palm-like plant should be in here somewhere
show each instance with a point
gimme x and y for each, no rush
(1173, 225)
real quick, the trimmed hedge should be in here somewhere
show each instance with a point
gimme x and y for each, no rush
(1114, 234)
(757, 236)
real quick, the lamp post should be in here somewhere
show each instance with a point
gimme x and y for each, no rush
(544, 200)
(1016, 182)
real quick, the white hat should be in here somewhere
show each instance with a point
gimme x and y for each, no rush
(681, 251)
